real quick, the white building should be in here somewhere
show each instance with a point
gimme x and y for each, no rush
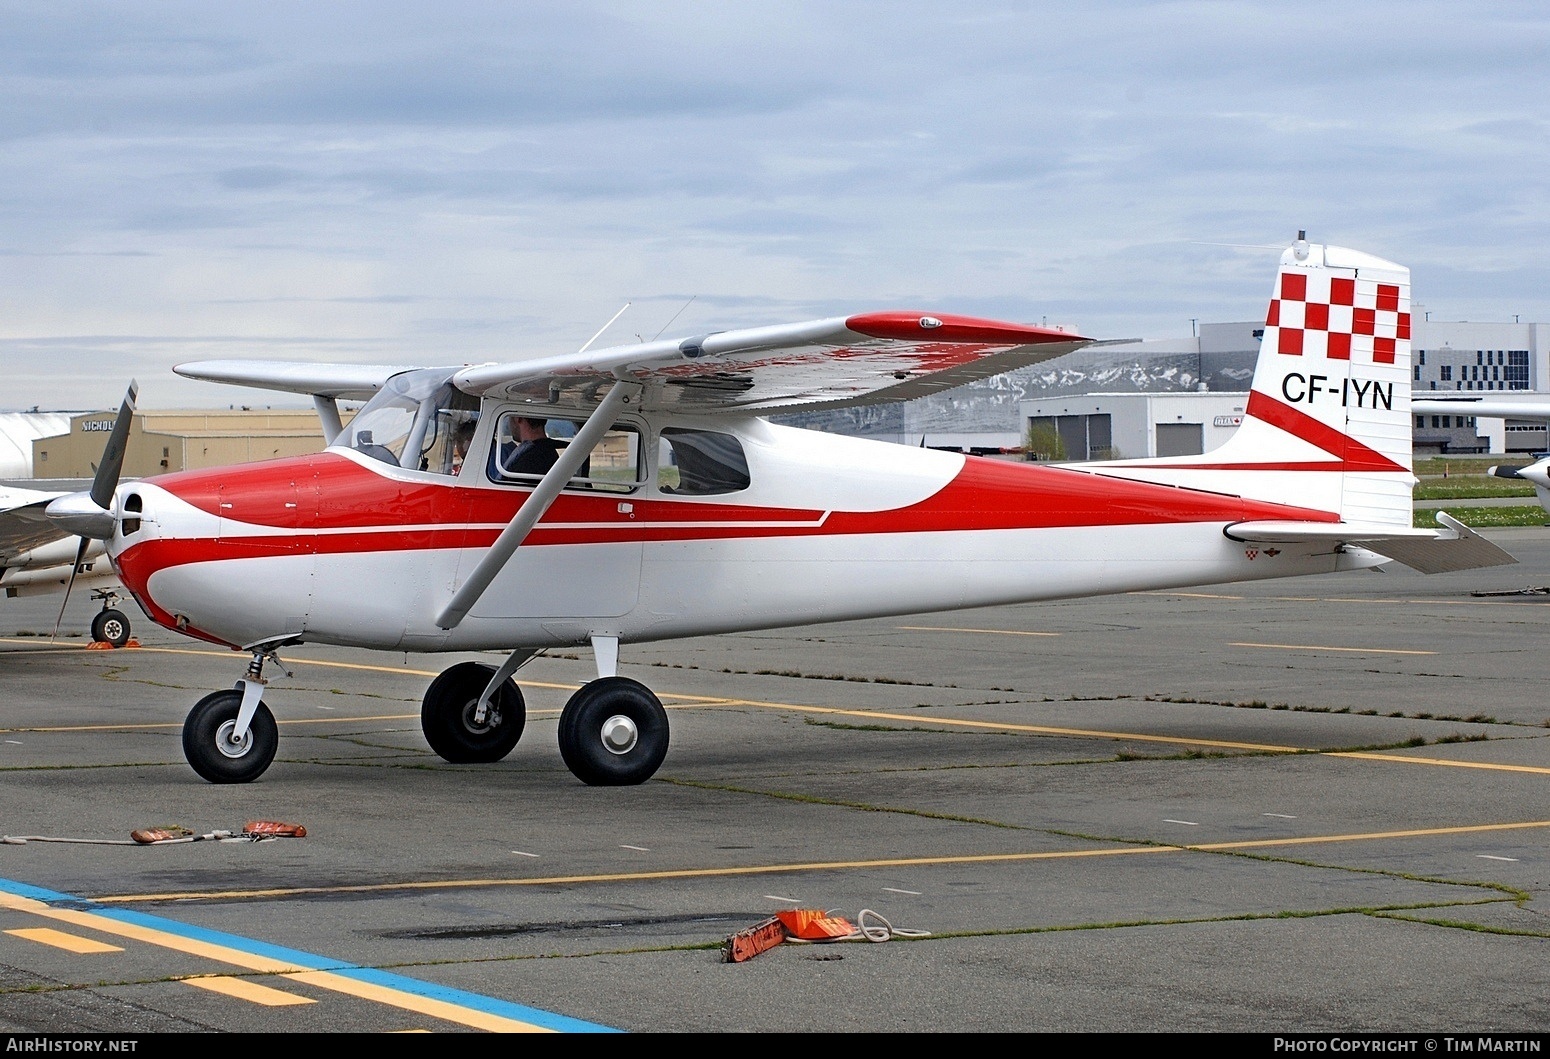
(18, 430)
(1104, 426)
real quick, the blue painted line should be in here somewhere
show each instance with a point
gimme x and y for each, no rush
(473, 1001)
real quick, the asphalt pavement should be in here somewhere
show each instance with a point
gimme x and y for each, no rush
(1315, 805)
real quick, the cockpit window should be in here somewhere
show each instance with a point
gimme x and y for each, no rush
(700, 463)
(416, 421)
(526, 445)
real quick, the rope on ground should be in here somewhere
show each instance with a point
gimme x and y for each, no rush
(252, 831)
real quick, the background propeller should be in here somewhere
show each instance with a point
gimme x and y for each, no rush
(88, 514)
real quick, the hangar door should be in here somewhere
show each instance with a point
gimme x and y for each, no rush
(1083, 437)
(1180, 439)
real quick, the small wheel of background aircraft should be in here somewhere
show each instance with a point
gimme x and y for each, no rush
(675, 509)
(110, 626)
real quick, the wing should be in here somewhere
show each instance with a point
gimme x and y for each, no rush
(23, 525)
(1523, 405)
(355, 382)
(1454, 547)
(864, 359)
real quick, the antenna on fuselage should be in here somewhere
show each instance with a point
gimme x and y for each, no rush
(605, 327)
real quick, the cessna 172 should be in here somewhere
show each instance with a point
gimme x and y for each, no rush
(676, 510)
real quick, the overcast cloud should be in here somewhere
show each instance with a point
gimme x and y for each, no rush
(467, 181)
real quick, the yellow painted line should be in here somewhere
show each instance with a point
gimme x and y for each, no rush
(1371, 836)
(1316, 647)
(819, 866)
(265, 965)
(1188, 595)
(1401, 759)
(993, 632)
(1343, 599)
(106, 925)
(421, 1005)
(706, 701)
(1005, 726)
(60, 940)
(302, 662)
(242, 989)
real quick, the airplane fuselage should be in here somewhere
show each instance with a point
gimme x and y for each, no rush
(344, 549)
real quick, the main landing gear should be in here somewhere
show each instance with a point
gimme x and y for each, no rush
(613, 731)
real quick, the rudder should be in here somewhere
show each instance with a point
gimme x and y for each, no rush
(1327, 423)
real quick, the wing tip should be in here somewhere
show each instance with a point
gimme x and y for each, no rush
(945, 327)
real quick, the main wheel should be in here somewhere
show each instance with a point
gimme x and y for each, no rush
(110, 626)
(447, 715)
(210, 748)
(613, 733)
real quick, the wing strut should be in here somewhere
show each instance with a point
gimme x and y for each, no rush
(533, 508)
(328, 415)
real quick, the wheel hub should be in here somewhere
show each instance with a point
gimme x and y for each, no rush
(230, 747)
(472, 723)
(620, 734)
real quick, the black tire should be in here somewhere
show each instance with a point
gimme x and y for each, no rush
(447, 715)
(110, 626)
(617, 711)
(207, 745)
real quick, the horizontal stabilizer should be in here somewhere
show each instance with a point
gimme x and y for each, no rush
(1454, 547)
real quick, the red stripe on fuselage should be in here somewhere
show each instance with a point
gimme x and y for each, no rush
(1349, 454)
(985, 495)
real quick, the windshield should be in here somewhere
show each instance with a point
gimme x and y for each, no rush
(415, 421)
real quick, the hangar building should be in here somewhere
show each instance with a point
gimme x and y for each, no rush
(162, 441)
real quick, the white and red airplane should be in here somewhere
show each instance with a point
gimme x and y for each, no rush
(676, 510)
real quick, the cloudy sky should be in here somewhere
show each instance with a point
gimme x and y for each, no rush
(465, 182)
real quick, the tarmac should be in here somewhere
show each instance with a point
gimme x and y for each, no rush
(1318, 805)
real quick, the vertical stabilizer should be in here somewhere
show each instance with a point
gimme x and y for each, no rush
(1327, 423)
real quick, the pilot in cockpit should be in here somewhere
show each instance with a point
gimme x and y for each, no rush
(531, 450)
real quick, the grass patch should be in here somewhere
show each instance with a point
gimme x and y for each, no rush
(1487, 517)
(1470, 487)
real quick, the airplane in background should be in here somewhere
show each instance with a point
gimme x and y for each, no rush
(1520, 405)
(38, 556)
(676, 509)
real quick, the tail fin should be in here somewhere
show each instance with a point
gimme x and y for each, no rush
(1327, 423)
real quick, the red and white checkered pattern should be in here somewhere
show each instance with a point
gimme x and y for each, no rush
(1316, 314)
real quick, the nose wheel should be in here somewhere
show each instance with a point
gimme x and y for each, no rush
(216, 751)
(613, 733)
(110, 626)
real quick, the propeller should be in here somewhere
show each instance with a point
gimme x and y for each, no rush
(87, 514)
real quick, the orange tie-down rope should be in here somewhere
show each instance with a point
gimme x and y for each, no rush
(806, 926)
